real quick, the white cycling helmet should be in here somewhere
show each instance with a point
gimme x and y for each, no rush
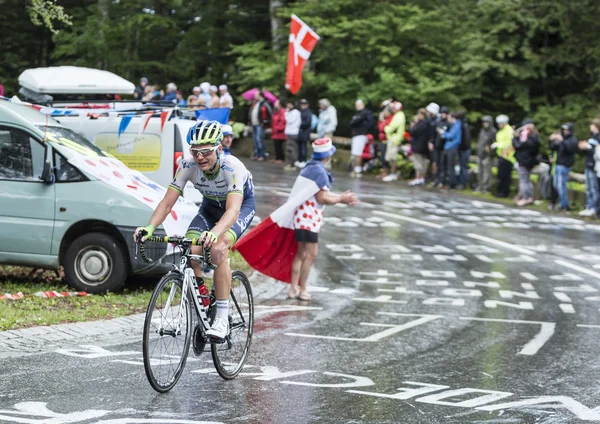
(205, 132)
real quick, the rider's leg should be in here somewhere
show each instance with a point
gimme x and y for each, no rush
(310, 254)
(296, 265)
(219, 255)
(222, 284)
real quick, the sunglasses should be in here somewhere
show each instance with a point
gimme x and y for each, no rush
(203, 152)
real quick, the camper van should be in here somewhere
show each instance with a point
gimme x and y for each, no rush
(65, 202)
(146, 139)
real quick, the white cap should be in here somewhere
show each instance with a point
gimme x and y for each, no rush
(205, 86)
(227, 129)
(214, 88)
(171, 86)
(223, 87)
(196, 88)
(502, 119)
(433, 108)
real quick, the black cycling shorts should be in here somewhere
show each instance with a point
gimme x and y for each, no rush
(211, 212)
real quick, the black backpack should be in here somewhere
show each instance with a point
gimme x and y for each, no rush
(465, 141)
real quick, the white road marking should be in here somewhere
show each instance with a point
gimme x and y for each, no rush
(563, 297)
(588, 326)
(391, 329)
(578, 268)
(358, 381)
(379, 299)
(535, 344)
(501, 243)
(567, 308)
(409, 219)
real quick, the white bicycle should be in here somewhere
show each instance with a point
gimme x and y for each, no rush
(169, 327)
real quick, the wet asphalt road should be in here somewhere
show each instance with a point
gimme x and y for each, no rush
(427, 308)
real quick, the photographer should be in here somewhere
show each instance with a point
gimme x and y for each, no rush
(527, 146)
(565, 145)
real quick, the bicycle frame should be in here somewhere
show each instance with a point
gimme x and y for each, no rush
(189, 286)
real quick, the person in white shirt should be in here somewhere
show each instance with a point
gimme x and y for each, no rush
(327, 119)
(292, 128)
(226, 100)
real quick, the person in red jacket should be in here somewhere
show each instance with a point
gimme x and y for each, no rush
(385, 117)
(278, 131)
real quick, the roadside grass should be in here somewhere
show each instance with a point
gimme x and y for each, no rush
(34, 311)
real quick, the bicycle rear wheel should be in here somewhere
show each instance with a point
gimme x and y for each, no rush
(229, 357)
(167, 333)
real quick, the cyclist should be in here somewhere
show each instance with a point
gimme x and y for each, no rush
(226, 211)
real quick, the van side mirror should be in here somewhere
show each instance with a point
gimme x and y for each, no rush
(47, 174)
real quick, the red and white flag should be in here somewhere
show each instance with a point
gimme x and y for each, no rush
(301, 44)
(271, 246)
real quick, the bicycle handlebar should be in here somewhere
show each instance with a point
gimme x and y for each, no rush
(180, 241)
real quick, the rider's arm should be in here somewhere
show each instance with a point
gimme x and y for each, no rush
(232, 212)
(164, 207)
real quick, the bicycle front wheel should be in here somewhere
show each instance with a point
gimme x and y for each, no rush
(167, 333)
(229, 357)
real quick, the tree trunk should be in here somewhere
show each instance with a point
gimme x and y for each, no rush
(276, 24)
(103, 8)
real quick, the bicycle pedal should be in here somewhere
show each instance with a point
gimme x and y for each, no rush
(217, 340)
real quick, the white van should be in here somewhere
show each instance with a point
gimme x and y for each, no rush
(152, 144)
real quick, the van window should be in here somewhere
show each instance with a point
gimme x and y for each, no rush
(64, 171)
(21, 156)
(80, 143)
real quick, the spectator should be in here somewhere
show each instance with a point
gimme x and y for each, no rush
(278, 131)
(214, 97)
(205, 94)
(148, 93)
(433, 110)
(452, 138)
(464, 151)
(327, 119)
(420, 135)
(487, 136)
(395, 135)
(565, 144)
(591, 181)
(506, 155)
(438, 147)
(385, 117)
(526, 142)
(194, 99)
(225, 100)
(259, 116)
(171, 94)
(360, 125)
(304, 133)
(292, 127)
(158, 93)
(137, 94)
(227, 138)
(180, 100)
(309, 216)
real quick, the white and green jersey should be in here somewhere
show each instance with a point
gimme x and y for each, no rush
(231, 178)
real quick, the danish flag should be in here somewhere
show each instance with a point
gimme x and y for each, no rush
(301, 44)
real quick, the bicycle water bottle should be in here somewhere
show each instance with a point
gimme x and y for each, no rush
(204, 293)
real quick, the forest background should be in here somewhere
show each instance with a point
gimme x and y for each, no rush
(523, 58)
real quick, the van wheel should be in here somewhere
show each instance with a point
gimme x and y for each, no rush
(95, 263)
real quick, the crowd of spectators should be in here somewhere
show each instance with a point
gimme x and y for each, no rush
(203, 96)
(440, 146)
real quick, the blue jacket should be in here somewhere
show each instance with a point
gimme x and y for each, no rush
(453, 136)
